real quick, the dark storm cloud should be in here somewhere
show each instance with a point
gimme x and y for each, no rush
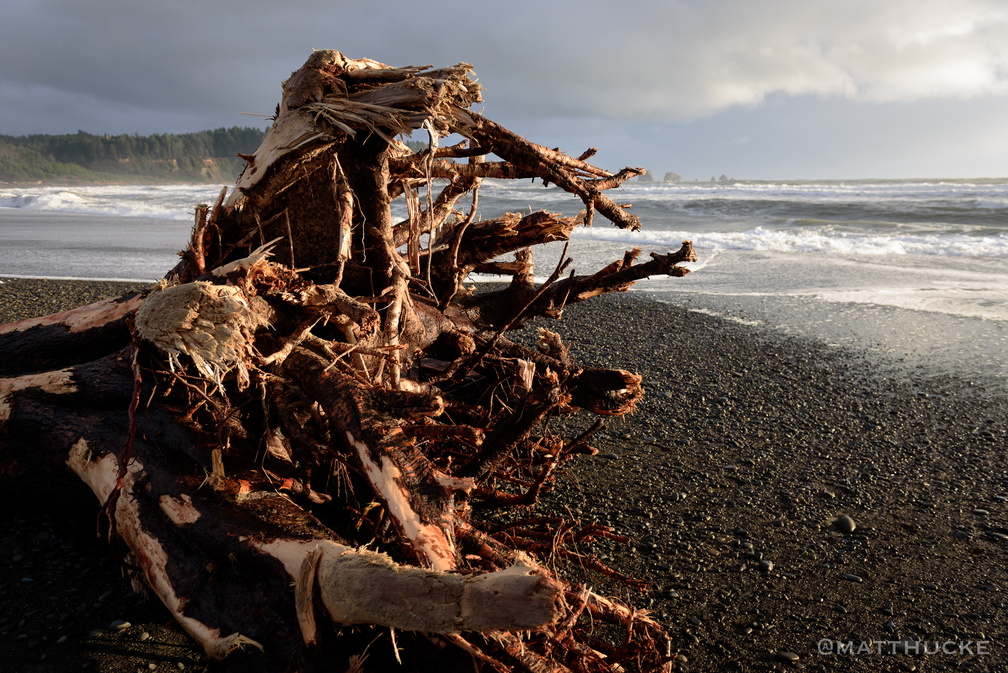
(643, 71)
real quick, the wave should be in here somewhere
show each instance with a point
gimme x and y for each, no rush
(942, 218)
(672, 206)
(812, 240)
(162, 202)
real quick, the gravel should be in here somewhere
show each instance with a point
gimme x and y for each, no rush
(729, 479)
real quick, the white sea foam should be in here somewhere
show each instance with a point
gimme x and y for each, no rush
(823, 240)
(729, 318)
(170, 202)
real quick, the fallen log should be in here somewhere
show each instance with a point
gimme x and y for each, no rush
(293, 436)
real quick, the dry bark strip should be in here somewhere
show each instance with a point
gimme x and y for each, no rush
(292, 436)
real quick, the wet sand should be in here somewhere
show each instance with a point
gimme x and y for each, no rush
(729, 480)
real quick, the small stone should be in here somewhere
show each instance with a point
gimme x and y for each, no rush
(851, 577)
(144, 636)
(979, 511)
(766, 566)
(845, 524)
(119, 625)
(788, 656)
(62, 639)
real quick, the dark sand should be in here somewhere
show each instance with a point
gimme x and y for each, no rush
(729, 479)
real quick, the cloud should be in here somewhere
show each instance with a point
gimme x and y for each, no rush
(684, 61)
(584, 70)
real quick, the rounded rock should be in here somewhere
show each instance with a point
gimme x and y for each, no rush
(845, 524)
(788, 656)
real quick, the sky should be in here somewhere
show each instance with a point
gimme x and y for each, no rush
(751, 89)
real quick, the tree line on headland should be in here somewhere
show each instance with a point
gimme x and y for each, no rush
(203, 156)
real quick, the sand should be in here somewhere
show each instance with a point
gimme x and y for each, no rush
(729, 480)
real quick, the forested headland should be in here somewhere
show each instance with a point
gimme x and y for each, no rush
(203, 156)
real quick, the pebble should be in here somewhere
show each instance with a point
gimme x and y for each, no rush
(788, 656)
(851, 577)
(980, 512)
(119, 625)
(845, 524)
(766, 566)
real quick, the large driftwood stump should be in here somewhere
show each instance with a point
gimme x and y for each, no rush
(293, 435)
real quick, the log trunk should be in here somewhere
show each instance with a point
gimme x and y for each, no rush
(295, 432)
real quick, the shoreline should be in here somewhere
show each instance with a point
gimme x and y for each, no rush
(746, 448)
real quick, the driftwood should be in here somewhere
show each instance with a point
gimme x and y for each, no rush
(296, 435)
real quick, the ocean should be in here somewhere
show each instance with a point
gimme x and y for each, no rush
(914, 271)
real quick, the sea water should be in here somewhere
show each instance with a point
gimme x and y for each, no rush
(914, 270)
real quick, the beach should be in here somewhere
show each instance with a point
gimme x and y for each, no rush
(731, 481)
